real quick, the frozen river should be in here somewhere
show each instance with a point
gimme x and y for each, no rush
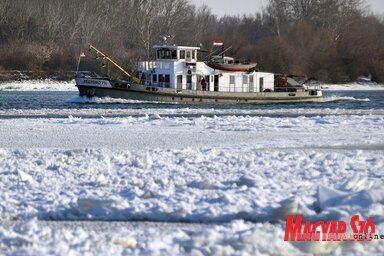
(107, 176)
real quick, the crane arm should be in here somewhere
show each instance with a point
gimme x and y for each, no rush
(104, 56)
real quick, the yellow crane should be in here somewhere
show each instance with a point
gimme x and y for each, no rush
(104, 56)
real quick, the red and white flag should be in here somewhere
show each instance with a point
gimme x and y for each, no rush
(82, 54)
(218, 43)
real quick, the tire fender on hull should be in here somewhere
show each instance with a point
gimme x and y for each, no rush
(90, 93)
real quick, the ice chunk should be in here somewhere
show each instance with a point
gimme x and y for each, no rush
(248, 181)
(155, 117)
(328, 197)
(205, 184)
(316, 247)
(148, 195)
(89, 204)
(288, 206)
(125, 242)
(356, 182)
(25, 177)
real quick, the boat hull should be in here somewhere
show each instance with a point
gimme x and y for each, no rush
(167, 95)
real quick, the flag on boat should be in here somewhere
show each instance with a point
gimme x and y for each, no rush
(218, 43)
(82, 54)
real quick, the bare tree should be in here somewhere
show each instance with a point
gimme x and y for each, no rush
(333, 39)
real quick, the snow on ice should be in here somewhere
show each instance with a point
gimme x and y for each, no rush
(223, 184)
(38, 85)
(187, 185)
(247, 173)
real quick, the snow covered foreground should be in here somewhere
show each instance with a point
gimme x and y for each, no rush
(189, 185)
(242, 175)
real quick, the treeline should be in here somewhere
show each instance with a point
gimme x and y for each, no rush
(333, 40)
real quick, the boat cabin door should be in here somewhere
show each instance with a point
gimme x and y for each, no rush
(189, 82)
(179, 82)
(251, 84)
(261, 83)
(216, 83)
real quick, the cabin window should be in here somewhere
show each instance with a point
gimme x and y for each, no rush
(232, 79)
(167, 81)
(188, 54)
(182, 54)
(154, 78)
(179, 82)
(189, 82)
(193, 54)
(251, 83)
(161, 80)
(245, 79)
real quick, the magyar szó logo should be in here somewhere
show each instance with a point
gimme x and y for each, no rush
(330, 230)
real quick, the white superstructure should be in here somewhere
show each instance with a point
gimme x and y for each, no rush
(178, 67)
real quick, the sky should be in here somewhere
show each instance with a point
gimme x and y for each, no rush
(238, 7)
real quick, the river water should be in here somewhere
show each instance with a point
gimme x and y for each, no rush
(61, 104)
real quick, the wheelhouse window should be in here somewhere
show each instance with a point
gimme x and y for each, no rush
(194, 55)
(188, 54)
(166, 54)
(182, 54)
(174, 54)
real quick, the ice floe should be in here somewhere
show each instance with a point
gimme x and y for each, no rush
(192, 185)
(154, 130)
(38, 85)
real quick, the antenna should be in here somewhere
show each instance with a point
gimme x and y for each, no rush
(165, 38)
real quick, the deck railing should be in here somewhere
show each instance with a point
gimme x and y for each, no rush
(289, 89)
(193, 86)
